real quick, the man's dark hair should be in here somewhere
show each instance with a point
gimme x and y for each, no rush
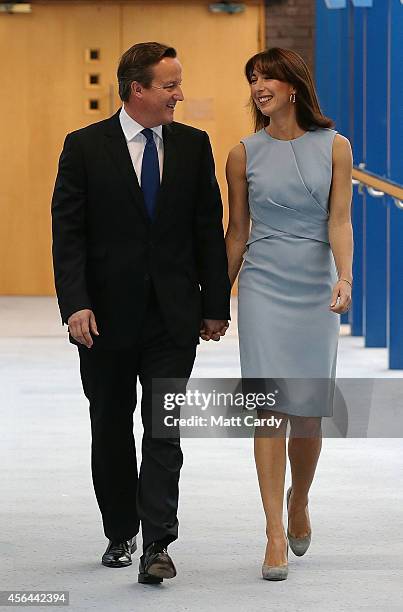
(136, 65)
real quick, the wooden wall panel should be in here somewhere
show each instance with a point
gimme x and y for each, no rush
(44, 94)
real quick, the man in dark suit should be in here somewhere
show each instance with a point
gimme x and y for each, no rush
(140, 272)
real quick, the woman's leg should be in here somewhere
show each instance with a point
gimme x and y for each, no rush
(304, 448)
(270, 458)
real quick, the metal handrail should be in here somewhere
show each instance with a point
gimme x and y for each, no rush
(378, 186)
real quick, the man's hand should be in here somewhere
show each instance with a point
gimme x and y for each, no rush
(80, 324)
(213, 329)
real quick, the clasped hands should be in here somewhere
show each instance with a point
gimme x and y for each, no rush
(82, 324)
(213, 329)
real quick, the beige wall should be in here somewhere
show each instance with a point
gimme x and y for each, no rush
(45, 92)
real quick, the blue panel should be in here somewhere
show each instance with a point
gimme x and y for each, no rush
(344, 87)
(331, 80)
(375, 246)
(322, 54)
(344, 318)
(396, 288)
(334, 42)
(363, 3)
(357, 304)
(332, 69)
(375, 271)
(358, 87)
(395, 167)
(335, 4)
(395, 159)
(357, 144)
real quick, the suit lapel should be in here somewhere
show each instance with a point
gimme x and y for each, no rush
(116, 145)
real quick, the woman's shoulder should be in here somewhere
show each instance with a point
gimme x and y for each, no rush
(331, 143)
(342, 150)
(341, 141)
(236, 162)
(324, 133)
(237, 153)
(332, 134)
(256, 136)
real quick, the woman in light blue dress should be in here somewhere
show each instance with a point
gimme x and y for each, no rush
(290, 230)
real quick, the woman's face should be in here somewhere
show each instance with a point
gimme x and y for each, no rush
(270, 95)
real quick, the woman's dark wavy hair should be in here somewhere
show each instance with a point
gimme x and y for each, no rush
(286, 65)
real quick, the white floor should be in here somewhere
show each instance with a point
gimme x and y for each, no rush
(50, 531)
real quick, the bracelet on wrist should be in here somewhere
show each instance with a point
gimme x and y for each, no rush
(347, 281)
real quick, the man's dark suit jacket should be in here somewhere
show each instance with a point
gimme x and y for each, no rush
(106, 251)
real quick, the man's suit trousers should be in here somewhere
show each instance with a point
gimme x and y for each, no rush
(125, 497)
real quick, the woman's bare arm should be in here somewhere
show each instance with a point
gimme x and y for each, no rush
(239, 221)
(340, 227)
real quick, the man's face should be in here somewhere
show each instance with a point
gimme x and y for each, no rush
(159, 100)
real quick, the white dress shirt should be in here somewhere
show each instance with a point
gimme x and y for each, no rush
(136, 141)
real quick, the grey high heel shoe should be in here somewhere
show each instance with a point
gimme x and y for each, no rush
(275, 572)
(299, 546)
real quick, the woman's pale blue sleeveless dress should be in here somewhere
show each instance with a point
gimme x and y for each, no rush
(286, 330)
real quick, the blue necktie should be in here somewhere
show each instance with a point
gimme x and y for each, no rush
(150, 172)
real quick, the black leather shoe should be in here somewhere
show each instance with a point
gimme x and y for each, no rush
(118, 554)
(155, 565)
